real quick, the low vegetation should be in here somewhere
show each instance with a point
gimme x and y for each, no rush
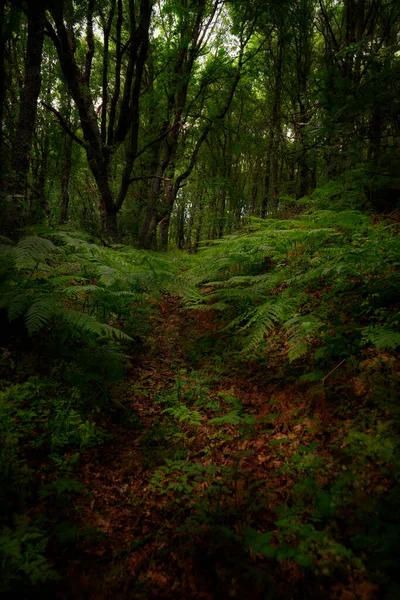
(199, 299)
(274, 449)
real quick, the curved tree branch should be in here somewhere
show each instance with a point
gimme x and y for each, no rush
(64, 124)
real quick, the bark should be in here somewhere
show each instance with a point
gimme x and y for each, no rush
(221, 220)
(170, 193)
(118, 66)
(198, 228)
(109, 224)
(65, 178)
(303, 48)
(108, 212)
(189, 229)
(303, 179)
(2, 89)
(106, 41)
(267, 176)
(350, 36)
(29, 97)
(255, 188)
(164, 230)
(44, 159)
(147, 236)
(271, 182)
(276, 127)
(303, 172)
(149, 225)
(180, 227)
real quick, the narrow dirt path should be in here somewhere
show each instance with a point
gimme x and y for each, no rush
(116, 476)
(161, 542)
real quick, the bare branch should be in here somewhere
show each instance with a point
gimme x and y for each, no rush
(64, 124)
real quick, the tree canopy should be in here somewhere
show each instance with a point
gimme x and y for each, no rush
(123, 117)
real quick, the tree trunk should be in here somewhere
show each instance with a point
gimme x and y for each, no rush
(276, 126)
(375, 134)
(149, 225)
(304, 172)
(180, 227)
(188, 238)
(198, 230)
(20, 153)
(147, 235)
(267, 176)
(254, 188)
(303, 179)
(108, 211)
(109, 224)
(2, 90)
(29, 96)
(42, 196)
(221, 219)
(164, 231)
(126, 126)
(170, 193)
(65, 178)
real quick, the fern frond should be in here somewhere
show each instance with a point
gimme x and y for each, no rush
(7, 250)
(76, 291)
(39, 313)
(300, 331)
(382, 338)
(263, 319)
(85, 322)
(120, 293)
(16, 302)
(107, 275)
(31, 250)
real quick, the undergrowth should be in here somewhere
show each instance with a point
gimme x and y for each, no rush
(326, 283)
(310, 306)
(73, 314)
(272, 455)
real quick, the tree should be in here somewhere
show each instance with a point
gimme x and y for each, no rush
(25, 126)
(120, 116)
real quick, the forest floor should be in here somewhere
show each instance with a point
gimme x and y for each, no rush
(151, 544)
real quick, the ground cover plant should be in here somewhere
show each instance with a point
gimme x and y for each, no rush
(283, 471)
(199, 299)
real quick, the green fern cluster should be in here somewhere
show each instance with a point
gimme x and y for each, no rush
(326, 281)
(66, 278)
(70, 311)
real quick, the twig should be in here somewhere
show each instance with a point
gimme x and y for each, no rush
(334, 369)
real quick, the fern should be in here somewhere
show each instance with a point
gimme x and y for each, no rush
(300, 332)
(39, 313)
(81, 284)
(85, 322)
(381, 337)
(261, 320)
(311, 264)
(31, 250)
(16, 302)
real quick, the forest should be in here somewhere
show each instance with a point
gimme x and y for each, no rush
(200, 299)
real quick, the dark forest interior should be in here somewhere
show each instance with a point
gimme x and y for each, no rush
(200, 299)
